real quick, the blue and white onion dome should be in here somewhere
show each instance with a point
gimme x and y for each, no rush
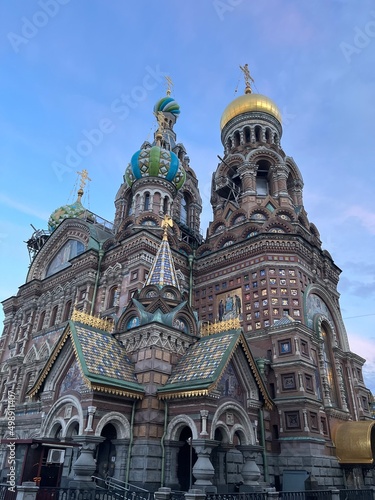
(76, 210)
(167, 105)
(155, 161)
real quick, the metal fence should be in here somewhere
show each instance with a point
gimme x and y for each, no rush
(306, 495)
(88, 494)
(356, 495)
(238, 496)
(6, 493)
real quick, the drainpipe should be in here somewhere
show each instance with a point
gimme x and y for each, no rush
(130, 443)
(162, 444)
(101, 253)
(191, 259)
(264, 452)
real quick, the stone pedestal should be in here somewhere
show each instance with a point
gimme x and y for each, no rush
(85, 465)
(250, 471)
(27, 491)
(203, 470)
(163, 493)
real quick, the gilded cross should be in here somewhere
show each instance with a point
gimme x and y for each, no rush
(169, 84)
(248, 77)
(84, 177)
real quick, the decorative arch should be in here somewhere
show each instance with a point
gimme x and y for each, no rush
(69, 229)
(318, 303)
(226, 240)
(204, 249)
(44, 351)
(52, 418)
(250, 232)
(70, 426)
(285, 214)
(274, 224)
(238, 217)
(177, 424)
(264, 153)
(218, 226)
(119, 422)
(245, 426)
(31, 356)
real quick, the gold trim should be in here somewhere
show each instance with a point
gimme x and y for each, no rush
(116, 392)
(50, 363)
(353, 442)
(184, 394)
(88, 319)
(222, 326)
(254, 369)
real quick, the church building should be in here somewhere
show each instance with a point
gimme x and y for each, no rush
(140, 351)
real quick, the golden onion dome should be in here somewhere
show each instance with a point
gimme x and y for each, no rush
(249, 102)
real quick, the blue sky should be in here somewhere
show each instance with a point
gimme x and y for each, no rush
(73, 70)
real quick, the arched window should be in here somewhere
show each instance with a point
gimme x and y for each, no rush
(165, 205)
(41, 320)
(129, 208)
(268, 135)
(262, 181)
(184, 217)
(71, 249)
(66, 313)
(247, 134)
(113, 297)
(258, 132)
(52, 320)
(146, 205)
(236, 139)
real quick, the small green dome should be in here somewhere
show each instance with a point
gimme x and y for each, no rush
(75, 210)
(155, 162)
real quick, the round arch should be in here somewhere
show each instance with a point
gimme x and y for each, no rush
(52, 415)
(119, 422)
(177, 424)
(245, 426)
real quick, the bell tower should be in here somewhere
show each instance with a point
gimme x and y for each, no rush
(255, 179)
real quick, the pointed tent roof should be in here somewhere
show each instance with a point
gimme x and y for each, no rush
(163, 272)
(103, 362)
(201, 368)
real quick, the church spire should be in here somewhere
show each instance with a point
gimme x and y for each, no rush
(163, 272)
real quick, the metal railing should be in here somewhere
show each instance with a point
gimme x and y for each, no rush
(6, 493)
(238, 496)
(123, 490)
(356, 495)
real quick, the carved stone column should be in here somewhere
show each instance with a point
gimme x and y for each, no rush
(248, 172)
(203, 470)
(250, 471)
(85, 465)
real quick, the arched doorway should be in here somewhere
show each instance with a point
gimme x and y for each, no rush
(186, 459)
(106, 453)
